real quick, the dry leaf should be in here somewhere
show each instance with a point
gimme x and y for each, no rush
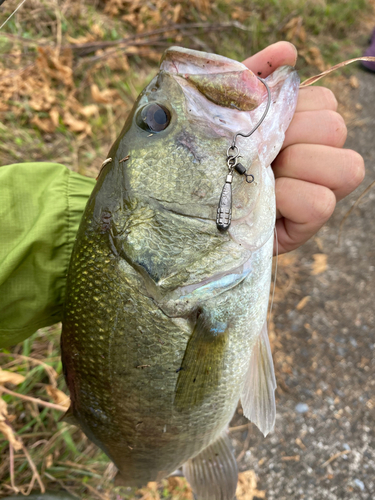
(177, 13)
(55, 115)
(75, 125)
(314, 57)
(89, 110)
(354, 82)
(80, 39)
(320, 263)
(6, 428)
(58, 397)
(150, 492)
(59, 68)
(10, 377)
(294, 29)
(49, 461)
(97, 30)
(247, 486)
(301, 304)
(44, 124)
(240, 14)
(179, 488)
(294, 458)
(103, 96)
(3, 410)
(42, 97)
(115, 60)
(10, 436)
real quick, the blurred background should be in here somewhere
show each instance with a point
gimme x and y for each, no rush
(69, 74)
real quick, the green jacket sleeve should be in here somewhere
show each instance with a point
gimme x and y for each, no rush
(41, 205)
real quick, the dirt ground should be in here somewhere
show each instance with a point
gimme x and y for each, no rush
(324, 443)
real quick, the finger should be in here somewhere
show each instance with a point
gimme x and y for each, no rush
(315, 98)
(341, 170)
(267, 60)
(316, 127)
(302, 209)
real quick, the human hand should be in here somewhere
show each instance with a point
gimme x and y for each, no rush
(312, 170)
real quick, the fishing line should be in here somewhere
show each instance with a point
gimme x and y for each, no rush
(224, 209)
(12, 14)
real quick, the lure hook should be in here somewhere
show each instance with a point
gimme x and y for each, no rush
(224, 209)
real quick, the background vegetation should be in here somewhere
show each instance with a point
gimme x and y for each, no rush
(69, 73)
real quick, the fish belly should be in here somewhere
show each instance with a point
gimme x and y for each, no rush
(122, 359)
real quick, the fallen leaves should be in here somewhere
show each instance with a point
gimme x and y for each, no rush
(301, 304)
(57, 396)
(10, 377)
(354, 82)
(6, 428)
(294, 30)
(247, 486)
(320, 263)
(313, 57)
(179, 488)
(45, 92)
(105, 96)
(53, 67)
(149, 492)
(76, 125)
(155, 13)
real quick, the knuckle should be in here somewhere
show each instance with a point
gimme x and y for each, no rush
(338, 130)
(324, 204)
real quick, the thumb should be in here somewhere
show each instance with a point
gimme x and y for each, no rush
(267, 60)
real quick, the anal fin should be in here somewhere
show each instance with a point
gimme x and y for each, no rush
(258, 394)
(213, 473)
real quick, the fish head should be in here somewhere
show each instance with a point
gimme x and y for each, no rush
(180, 128)
(169, 164)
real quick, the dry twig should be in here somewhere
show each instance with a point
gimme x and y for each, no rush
(336, 455)
(355, 204)
(34, 469)
(246, 443)
(315, 78)
(34, 400)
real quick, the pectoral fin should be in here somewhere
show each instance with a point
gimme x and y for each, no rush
(258, 395)
(203, 362)
(213, 473)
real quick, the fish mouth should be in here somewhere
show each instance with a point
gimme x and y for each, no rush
(181, 60)
(205, 213)
(221, 80)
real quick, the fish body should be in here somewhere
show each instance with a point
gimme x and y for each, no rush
(165, 317)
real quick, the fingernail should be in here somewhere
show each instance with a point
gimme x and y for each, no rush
(296, 53)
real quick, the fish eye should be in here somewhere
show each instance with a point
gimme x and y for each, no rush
(153, 118)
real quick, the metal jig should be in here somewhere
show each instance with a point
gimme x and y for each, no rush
(224, 209)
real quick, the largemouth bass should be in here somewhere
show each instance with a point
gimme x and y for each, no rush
(165, 316)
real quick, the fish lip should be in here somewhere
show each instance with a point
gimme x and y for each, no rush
(179, 60)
